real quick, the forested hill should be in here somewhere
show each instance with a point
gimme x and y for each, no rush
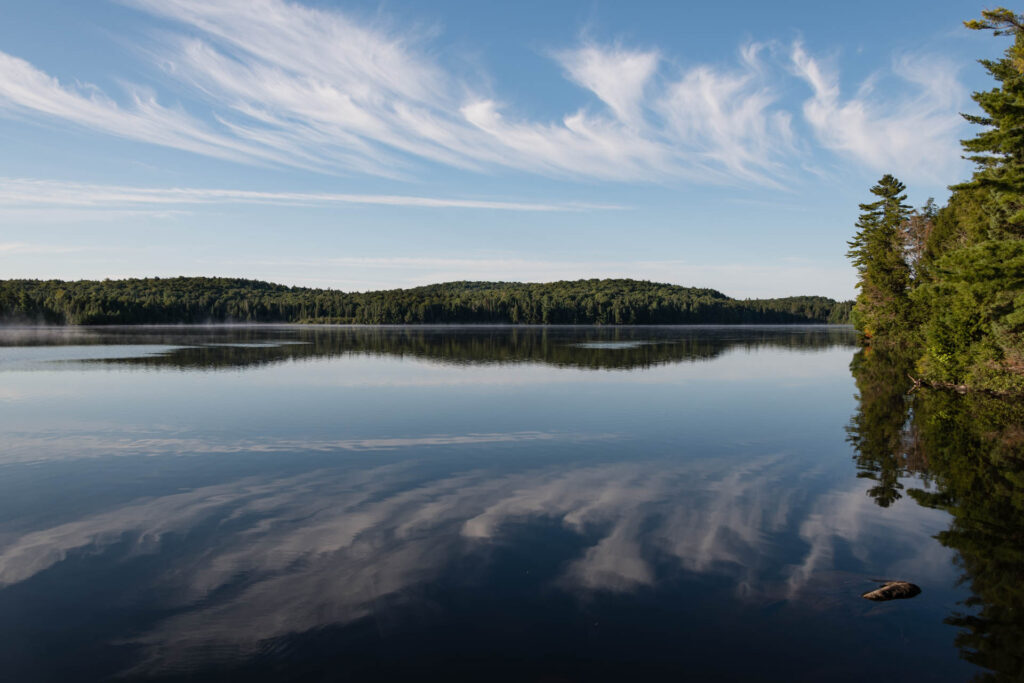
(202, 300)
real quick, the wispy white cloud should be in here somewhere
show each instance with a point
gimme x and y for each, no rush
(618, 77)
(26, 89)
(25, 192)
(306, 80)
(730, 120)
(912, 135)
(282, 83)
(294, 85)
(703, 124)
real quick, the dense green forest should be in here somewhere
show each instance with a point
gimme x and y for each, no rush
(947, 283)
(202, 300)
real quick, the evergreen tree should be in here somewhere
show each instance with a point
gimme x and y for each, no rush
(999, 151)
(877, 251)
(198, 300)
(973, 297)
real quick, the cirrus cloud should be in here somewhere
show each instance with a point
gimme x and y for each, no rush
(272, 82)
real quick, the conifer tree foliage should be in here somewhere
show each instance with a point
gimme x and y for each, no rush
(877, 251)
(998, 151)
(975, 303)
(950, 282)
(974, 298)
(579, 302)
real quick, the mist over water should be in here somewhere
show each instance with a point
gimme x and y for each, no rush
(494, 503)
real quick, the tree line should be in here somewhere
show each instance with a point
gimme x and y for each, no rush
(948, 283)
(203, 300)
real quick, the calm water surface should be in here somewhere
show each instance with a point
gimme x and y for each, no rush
(561, 504)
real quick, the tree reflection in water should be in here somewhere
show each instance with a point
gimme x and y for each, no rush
(963, 454)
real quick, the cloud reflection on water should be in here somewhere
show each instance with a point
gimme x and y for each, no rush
(325, 547)
(34, 448)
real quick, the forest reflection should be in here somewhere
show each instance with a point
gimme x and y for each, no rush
(964, 455)
(222, 346)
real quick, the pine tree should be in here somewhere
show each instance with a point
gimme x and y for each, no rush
(973, 297)
(999, 151)
(877, 252)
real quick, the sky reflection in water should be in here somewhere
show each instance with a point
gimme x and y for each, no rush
(498, 503)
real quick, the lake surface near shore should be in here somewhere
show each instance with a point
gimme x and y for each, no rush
(446, 503)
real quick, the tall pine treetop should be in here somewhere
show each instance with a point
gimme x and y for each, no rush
(877, 251)
(999, 151)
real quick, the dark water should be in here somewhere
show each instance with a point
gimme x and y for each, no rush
(492, 504)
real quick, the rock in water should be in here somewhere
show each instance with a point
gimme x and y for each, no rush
(892, 590)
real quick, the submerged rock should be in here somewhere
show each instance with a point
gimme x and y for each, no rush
(892, 590)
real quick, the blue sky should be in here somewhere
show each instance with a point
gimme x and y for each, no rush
(375, 145)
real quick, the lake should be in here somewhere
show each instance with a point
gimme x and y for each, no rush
(497, 504)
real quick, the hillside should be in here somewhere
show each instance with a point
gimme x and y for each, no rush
(204, 299)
